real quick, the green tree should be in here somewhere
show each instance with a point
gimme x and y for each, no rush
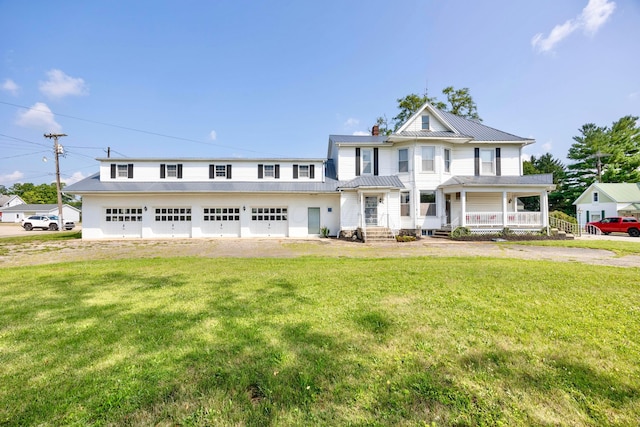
(459, 102)
(43, 193)
(557, 198)
(604, 154)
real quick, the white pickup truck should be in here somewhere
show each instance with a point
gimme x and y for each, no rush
(45, 222)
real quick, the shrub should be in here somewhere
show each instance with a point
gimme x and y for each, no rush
(324, 232)
(563, 216)
(460, 232)
(405, 238)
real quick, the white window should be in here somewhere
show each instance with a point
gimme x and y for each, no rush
(487, 162)
(367, 161)
(405, 203)
(221, 171)
(123, 171)
(425, 122)
(123, 214)
(269, 171)
(268, 214)
(595, 197)
(447, 160)
(427, 203)
(428, 159)
(172, 171)
(303, 171)
(403, 160)
(173, 214)
(221, 214)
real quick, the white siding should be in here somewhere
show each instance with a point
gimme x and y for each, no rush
(95, 225)
(349, 210)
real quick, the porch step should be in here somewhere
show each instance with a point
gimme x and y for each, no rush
(441, 234)
(379, 234)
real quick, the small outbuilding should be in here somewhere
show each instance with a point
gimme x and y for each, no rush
(18, 212)
(603, 200)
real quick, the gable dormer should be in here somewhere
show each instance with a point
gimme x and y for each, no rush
(426, 119)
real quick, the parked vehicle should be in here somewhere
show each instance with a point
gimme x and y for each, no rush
(616, 224)
(45, 222)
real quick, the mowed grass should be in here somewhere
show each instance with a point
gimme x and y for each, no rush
(319, 341)
(619, 247)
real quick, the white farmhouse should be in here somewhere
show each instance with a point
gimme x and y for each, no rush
(437, 172)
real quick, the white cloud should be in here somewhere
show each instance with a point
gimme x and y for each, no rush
(39, 117)
(60, 85)
(351, 122)
(592, 17)
(11, 178)
(213, 135)
(77, 176)
(361, 133)
(634, 95)
(547, 147)
(10, 86)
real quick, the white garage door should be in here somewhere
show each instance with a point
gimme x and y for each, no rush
(172, 222)
(269, 222)
(221, 222)
(123, 222)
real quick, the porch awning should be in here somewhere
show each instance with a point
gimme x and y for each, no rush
(533, 181)
(631, 207)
(372, 181)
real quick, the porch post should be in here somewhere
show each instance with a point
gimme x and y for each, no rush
(504, 209)
(544, 208)
(362, 223)
(463, 208)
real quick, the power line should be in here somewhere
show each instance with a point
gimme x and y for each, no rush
(137, 130)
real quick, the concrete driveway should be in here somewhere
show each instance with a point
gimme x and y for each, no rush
(8, 229)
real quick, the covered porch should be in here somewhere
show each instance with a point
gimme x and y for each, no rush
(491, 204)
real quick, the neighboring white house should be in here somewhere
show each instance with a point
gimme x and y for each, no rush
(18, 212)
(438, 171)
(603, 200)
(7, 201)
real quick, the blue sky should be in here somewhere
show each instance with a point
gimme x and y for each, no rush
(275, 79)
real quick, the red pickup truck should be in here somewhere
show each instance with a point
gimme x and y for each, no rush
(616, 224)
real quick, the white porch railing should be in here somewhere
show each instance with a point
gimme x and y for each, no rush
(495, 219)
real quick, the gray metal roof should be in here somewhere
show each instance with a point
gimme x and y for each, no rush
(358, 139)
(35, 207)
(431, 134)
(93, 184)
(478, 131)
(372, 181)
(545, 179)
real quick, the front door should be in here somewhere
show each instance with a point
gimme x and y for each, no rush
(313, 221)
(371, 210)
(447, 208)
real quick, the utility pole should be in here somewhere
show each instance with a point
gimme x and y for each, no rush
(57, 150)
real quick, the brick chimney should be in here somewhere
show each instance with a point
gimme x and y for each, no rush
(375, 130)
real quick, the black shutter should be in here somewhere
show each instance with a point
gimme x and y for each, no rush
(312, 171)
(212, 171)
(163, 170)
(357, 161)
(295, 171)
(476, 156)
(113, 171)
(228, 171)
(498, 163)
(179, 170)
(130, 170)
(260, 171)
(375, 161)
(277, 171)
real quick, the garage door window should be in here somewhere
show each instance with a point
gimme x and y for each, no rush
(269, 214)
(173, 214)
(123, 214)
(221, 214)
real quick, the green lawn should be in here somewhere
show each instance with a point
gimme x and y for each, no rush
(320, 341)
(621, 248)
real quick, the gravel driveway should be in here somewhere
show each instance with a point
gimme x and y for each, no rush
(15, 254)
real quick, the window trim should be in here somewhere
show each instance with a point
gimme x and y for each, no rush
(446, 157)
(427, 119)
(404, 162)
(433, 159)
(492, 153)
(406, 204)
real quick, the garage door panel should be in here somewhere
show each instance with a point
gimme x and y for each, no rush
(172, 222)
(269, 221)
(122, 222)
(221, 222)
